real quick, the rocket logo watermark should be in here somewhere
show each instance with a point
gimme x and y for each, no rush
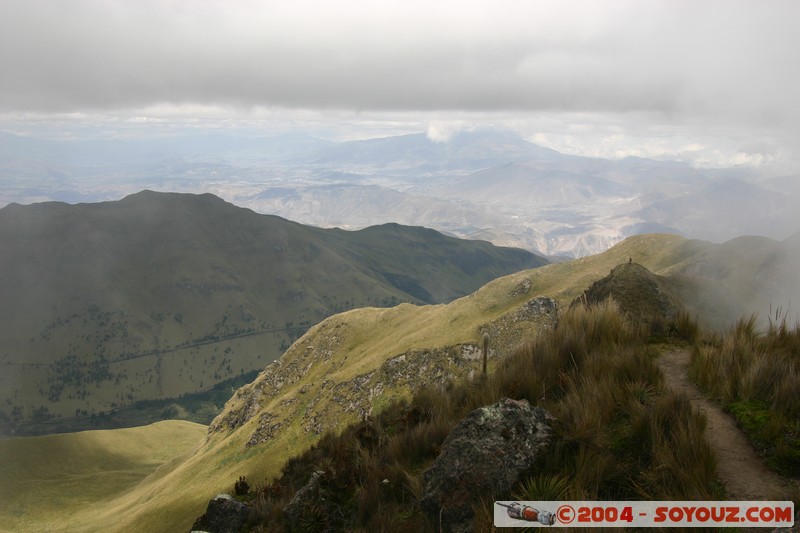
(733, 514)
(527, 513)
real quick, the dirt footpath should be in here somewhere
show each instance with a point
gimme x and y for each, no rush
(739, 468)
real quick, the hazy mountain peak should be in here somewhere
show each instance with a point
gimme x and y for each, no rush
(147, 195)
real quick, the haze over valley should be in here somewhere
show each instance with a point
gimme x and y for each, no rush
(484, 184)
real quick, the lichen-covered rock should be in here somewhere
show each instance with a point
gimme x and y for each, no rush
(223, 515)
(541, 305)
(483, 457)
(524, 324)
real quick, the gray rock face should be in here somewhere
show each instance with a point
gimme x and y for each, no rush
(223, 515)
(307, 493)
(541, 305)
(482, 457)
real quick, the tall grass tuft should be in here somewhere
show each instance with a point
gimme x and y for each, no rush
(756, 375)
(686, 327)
(677, 440)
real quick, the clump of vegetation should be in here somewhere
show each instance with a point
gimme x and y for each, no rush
(241, 487)
(756, 376)
(619, 435)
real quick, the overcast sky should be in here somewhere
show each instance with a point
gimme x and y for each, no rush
(713, 82)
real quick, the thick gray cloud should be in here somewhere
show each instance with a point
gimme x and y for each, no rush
(712, 82)
(722, 60)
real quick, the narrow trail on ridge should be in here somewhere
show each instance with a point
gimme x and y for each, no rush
(739, 468)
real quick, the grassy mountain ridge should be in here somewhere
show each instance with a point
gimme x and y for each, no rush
(366, 347)
(162, 294)
(365, 358)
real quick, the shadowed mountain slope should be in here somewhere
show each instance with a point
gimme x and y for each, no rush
(162, 294)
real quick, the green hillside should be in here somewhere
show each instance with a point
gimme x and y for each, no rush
(362, 360)
(159, 295)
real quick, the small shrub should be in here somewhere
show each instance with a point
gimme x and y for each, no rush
(241, 487)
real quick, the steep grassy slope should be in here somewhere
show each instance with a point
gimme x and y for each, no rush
(360, 360)
(159, 295)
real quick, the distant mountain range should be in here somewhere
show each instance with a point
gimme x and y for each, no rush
(480, 184)
(159, 295)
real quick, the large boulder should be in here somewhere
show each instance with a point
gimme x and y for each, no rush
(483, 457)
(223, 515)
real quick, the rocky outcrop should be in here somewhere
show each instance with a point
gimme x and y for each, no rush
(274, 381)
(244, 411)
(308, 492)
(524, 324)
(483, 457)
(637, 291)
(223, 515)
